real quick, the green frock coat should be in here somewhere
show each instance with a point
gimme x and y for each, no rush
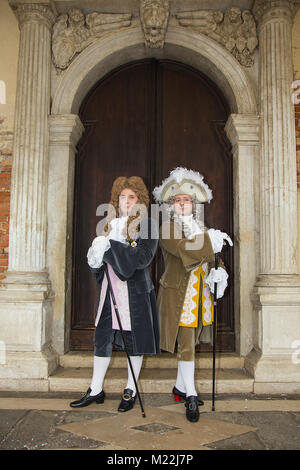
(181, 256)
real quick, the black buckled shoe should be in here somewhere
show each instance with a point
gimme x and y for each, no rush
(192, 412)
(87, 399)
(179, 396)
(127, 401)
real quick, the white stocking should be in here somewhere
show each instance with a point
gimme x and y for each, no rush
(136, 362)
(187, 369)
(179, 381)
(100, 367)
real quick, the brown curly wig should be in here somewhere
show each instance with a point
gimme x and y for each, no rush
(136, 184)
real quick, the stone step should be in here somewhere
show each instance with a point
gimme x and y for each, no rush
(84, 359)
(152, 380)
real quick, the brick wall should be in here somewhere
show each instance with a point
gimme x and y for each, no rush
(5, 179)
(297, 115)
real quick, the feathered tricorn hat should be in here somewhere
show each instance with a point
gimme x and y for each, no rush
(183, 181)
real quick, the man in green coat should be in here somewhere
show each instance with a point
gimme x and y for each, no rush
(184, 298)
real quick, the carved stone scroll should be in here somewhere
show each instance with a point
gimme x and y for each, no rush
(73, 32)
(235, 30)
(154, 18)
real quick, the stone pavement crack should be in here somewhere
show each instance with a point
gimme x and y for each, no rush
(14, 426)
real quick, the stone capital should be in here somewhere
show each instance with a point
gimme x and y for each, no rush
(243, 129)
(34, 11)
(270, 10)
(65, 129)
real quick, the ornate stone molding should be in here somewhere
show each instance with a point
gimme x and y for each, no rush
(154, 16)
(266, 10)
(73, 32)
(33, 13)
(235, 30)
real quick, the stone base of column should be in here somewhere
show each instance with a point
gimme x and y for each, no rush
(274, 374)
(27, 370)
(275, 361)
(26, 328)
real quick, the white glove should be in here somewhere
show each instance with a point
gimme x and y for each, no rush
(218, 276)
(217, 239)
(117, 227)
(96, 252)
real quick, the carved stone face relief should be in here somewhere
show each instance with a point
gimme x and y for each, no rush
(154, 18)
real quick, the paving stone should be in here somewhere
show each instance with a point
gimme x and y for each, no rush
(8, 420)
(37, 430)
(156, 428)
(274, 431)
(249, 441)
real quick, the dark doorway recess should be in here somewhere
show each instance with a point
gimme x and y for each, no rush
(146, 118)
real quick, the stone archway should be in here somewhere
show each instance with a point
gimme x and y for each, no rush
(65, 130)
(186, 46)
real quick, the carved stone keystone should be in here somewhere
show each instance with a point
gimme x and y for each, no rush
(154, 18)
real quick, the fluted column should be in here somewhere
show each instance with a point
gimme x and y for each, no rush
(278, 185)
(276, 296)
(28, 223)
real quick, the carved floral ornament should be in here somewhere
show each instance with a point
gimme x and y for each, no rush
(234, 29)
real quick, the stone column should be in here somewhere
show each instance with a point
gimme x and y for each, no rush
(25, 305)
(243, 133)
(278, 143)
(28, 223)
(277, 292)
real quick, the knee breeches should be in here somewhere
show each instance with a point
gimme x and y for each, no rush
(186, 344)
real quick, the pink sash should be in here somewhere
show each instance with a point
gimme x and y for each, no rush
(121, 294)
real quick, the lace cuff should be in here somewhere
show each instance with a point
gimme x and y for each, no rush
(96, 252)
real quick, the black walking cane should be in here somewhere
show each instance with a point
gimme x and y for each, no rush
(214, 336)
(123, 337)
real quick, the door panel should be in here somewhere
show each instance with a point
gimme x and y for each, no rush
(145, 119)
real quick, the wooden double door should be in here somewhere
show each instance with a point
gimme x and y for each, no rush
(146, 118)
